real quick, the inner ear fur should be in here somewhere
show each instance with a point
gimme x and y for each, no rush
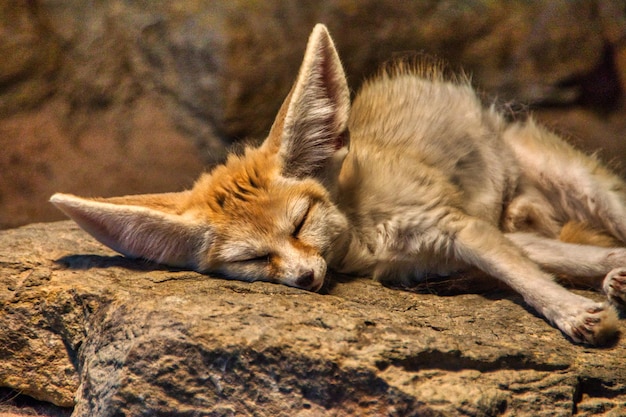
(311, 125)
(147, 226)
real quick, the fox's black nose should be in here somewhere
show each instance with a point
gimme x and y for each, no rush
(305, 280)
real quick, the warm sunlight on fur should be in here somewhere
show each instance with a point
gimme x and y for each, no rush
(417, 177)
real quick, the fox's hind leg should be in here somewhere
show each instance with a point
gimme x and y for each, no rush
(576, 185)
(614, 286)
(569, 259)
(603, 268)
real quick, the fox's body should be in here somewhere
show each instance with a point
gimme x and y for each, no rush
(415, 178)
(413, 165)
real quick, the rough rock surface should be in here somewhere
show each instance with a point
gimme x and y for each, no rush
(81, 325)
(116, 97)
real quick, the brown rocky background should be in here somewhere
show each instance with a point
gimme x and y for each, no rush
(113, 97)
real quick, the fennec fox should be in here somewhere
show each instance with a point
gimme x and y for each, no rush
(415, 178)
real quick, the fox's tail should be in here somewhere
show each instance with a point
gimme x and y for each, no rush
(585, 234)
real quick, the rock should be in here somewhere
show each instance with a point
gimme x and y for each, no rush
(81, 324)
(13, 404)
(226, 66)
(30, 56)
(45, 154)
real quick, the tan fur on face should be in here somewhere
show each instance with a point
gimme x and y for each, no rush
(255, 212)
(247, 194)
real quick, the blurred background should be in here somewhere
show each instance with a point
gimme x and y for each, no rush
(111, 97)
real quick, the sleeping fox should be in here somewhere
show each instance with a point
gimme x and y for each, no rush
(415, 178)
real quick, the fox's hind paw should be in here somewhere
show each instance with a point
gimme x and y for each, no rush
(592, 324)
(614, 286)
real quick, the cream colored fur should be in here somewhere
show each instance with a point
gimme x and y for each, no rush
(417, 177)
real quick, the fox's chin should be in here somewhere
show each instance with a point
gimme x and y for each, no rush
(313, 287)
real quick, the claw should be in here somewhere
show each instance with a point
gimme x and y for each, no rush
(614, 286)
(577, 336)
(594, 324)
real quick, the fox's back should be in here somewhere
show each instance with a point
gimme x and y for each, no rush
(420, 145)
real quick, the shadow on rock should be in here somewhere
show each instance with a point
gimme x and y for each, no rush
(86, 262)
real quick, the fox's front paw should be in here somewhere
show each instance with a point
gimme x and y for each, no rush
(614, 286)
(595, 324)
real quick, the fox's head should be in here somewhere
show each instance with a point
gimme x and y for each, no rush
(263, 215)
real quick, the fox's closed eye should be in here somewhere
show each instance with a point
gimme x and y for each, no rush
(239, 254)
(260, 258)
(299, 224)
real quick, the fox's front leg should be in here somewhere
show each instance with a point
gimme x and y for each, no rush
(484, 246)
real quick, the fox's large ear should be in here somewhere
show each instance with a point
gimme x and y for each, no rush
(140, 226)
(311, 124)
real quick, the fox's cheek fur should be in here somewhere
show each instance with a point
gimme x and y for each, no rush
(323, 227)
(303, 263)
